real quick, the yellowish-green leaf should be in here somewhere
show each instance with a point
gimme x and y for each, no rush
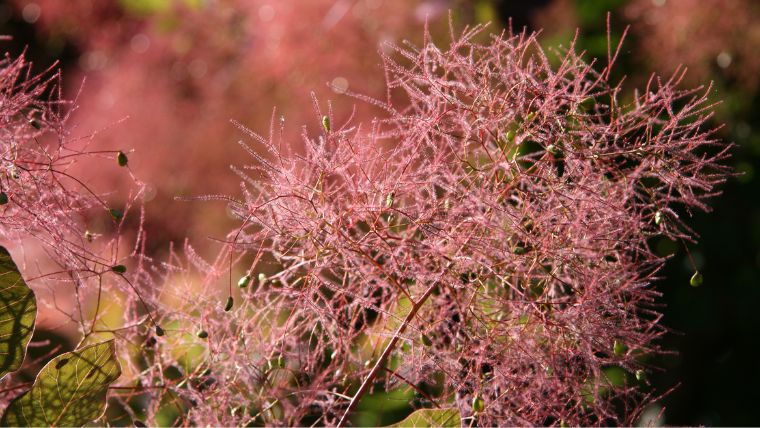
(432, 418)
(69, 391)
(18, 310)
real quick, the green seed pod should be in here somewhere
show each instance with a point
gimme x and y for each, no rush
(35, 124)
(658, 218)
(228, 305)
(520, 250)
(326, 123)
(426, 340)
(159, 331)
(202, 334)
(619, 347)
(120, 269)
(641, 375)
(262, 279)
(696, 279)
(116, 214)
(3, 198)
(530, 116)
(553, 150)
(563, 424)
(122, 159)
(244, 281)
(389, 199)
(510, 136)
(478, 405)
(276, 362)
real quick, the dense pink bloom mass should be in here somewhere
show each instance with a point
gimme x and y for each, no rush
(487, 242)
(39, 197)
(507, 206)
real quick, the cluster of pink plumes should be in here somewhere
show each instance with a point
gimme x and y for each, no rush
(485, 242)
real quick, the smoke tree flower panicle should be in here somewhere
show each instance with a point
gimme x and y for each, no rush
(41, 199)
(192, 62)
(485, 242)
(47, 214)
(488, 240)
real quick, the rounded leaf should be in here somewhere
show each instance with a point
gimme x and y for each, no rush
(18, 311)
(432, 418)
(69, 391)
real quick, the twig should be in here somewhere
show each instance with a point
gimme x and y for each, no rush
(386, 353)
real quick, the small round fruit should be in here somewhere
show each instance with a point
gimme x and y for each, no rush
(640, 375)
(478, 405)
(120, 269)
(426, 340)
(619, 347)
(696, 279)
(389, 199)
(326, 123)
(244, 281)
(116, 214)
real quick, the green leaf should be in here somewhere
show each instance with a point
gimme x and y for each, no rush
(69, 391)
(18, 310)
(432, 418)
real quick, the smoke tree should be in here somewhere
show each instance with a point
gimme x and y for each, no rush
(482, 248)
